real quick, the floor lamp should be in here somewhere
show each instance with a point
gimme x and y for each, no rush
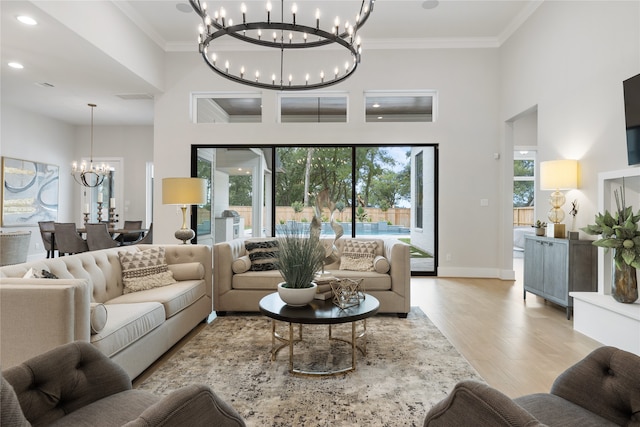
(183, 192)
(558, 175)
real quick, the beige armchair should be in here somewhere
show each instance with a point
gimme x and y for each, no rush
(75, 384)
(14, 247)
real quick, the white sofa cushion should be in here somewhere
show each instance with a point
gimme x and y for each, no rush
(126, 324)
(174, 298)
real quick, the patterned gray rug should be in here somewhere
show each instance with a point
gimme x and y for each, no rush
(408, 368)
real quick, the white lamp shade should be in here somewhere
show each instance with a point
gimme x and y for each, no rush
(559, 175)
(184, 191)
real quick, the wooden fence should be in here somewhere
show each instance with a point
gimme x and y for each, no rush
(396, 216)
(523, 216)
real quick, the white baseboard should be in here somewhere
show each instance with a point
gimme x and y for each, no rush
(483, 273)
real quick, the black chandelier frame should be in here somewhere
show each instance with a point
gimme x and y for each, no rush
(346, 39)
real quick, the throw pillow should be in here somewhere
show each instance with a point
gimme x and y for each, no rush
(381, 264)
(187, 271)
(263, 254)
(241, 265)
(144, 270)
(43, 274)
(97, 317)
(358, 255)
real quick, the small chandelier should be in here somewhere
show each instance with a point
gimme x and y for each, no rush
(93, 175)
(280, 37)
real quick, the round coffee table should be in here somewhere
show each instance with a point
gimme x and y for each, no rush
(318, 312)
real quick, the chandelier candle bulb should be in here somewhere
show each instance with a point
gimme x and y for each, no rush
(317, 19)
(257, 75)
(243, 9)
(294, 10)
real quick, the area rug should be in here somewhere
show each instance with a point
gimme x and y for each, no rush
(409, 367)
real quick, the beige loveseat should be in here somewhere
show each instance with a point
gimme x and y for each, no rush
(38, 314)
(242, 291)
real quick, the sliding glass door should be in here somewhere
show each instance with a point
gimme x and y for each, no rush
(370, 191)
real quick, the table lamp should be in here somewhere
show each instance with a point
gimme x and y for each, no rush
(558, 175)
(183, 192)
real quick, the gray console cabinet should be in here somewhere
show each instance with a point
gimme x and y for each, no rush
(554, 267)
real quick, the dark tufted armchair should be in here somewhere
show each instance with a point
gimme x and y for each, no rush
(601, 390)
(76, 385)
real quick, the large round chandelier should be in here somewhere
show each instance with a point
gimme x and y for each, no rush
(282, 36)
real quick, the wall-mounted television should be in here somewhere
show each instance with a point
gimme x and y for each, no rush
(631, 88)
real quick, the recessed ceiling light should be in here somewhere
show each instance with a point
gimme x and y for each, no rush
(376, 105)
(16, 65)
(27, 20)
(430, 4)
(379, 117)
(183, 7)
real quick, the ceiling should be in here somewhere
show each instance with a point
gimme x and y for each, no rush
(63, 71)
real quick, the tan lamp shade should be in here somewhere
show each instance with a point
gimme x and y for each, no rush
(184, 191)
(559, 175)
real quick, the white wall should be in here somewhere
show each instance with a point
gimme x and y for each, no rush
(466, 130)
(570, 59)
(34, 137)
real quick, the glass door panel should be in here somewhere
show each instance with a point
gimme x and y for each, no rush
(311, 178)
(390, 192)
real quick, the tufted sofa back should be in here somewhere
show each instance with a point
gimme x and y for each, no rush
(102, 268)
(609, 383)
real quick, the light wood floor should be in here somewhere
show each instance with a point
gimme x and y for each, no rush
(518, 346)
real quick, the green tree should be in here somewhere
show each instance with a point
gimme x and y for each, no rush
(240, 190)
(523, 191)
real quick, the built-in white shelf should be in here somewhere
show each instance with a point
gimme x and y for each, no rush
(598, 315)
(606, 320)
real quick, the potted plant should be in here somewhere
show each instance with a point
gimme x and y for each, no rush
(620, 233)
(300, 257)
(540, 227)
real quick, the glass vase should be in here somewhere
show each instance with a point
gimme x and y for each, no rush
(624, 286)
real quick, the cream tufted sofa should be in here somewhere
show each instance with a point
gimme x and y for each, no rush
(243, 291)
(37, 315)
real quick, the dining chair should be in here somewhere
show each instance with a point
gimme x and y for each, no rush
(46, 232)
(67, 239)
(148, 238)
(98, 237)
(130, 238)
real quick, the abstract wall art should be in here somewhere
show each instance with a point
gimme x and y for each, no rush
(29, 192)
